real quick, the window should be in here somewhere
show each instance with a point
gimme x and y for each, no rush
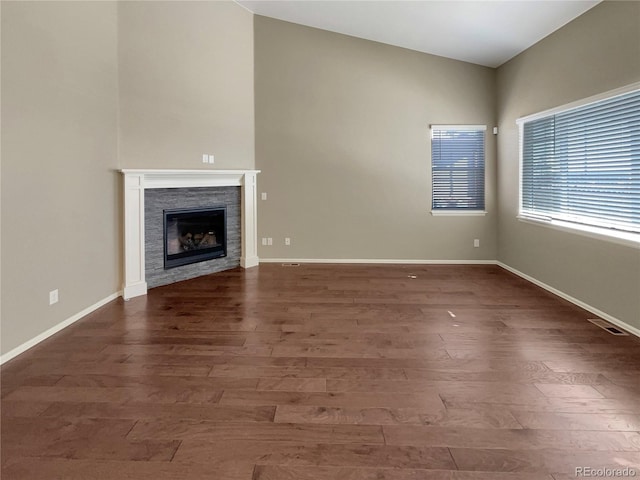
(457, 171)
(580, 166)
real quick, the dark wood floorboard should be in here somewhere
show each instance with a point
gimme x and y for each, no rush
(326, 372)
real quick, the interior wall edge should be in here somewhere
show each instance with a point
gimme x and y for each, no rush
(78, 316)
(56, 328)
(388, 261)
(596, 311)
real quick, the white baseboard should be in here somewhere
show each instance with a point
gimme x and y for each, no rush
(635, 331)
(56, 328)
(134, 290)
(392, 261)
(248, 262)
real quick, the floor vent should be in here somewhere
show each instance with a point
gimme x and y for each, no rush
(290, 264)
(607, 326)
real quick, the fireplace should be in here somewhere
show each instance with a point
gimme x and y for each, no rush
(147, 193)
(194, 235)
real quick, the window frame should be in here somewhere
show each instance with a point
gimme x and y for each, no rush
(598, 232)
(460, 212)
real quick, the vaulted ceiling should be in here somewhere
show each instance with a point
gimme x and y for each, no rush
(483, 32)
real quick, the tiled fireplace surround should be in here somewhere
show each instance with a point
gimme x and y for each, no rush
(215, 184)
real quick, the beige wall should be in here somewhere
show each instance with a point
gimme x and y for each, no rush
(341, 129)
(185, 75)
(60, 211)
(597, 52)
(342, 139)
(186, 85)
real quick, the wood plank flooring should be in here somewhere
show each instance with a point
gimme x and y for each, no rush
(323, 372)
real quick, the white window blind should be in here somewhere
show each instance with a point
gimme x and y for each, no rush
(457, 156)
(582, 165)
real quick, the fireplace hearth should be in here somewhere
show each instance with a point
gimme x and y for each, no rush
(194, 235)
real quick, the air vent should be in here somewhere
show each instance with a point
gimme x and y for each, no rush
(613, 330)
(290, 264)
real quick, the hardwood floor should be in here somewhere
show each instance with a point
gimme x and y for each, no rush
(324, 372)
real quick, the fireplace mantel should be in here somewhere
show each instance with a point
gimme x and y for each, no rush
(136, 181)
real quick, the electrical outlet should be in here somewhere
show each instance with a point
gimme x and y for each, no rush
(211, 158)
(269, 241)
(287, 241)
(476, 242)
(53, 296)
(205, 158)
(263, 195)
(264, 240)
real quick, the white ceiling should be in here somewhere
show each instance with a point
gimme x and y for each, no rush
(481, 31)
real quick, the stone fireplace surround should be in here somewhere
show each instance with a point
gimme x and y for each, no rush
(157, 200)
(136, 181)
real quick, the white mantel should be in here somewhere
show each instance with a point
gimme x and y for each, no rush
(137, 181)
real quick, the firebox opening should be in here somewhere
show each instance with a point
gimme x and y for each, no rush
(194, 235)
